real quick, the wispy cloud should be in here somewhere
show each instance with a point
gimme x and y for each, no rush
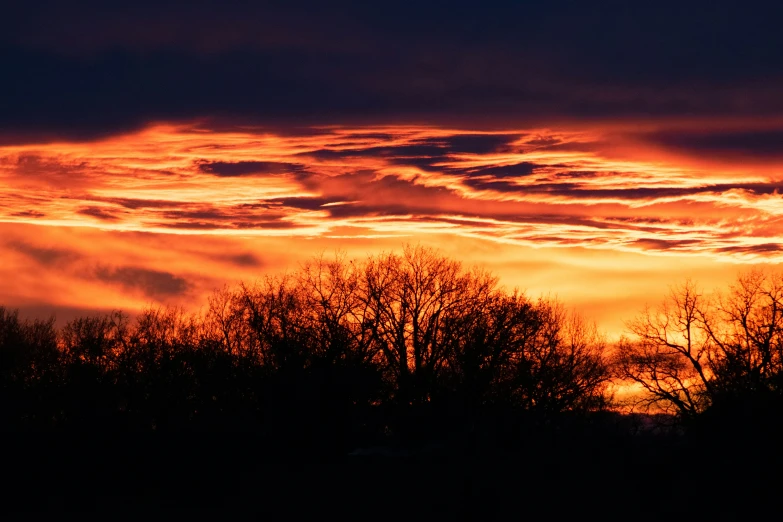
(539, 187)
(152, 283)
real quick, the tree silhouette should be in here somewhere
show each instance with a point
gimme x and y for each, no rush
(413, 300)
(400, 354)
(29, 366)
(408, 345)
(670, 353)
(698, 352)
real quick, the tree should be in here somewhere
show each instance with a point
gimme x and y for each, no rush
(27, 348)
(695, 351)
(396, 342)
(669, 353)
(96, 341)
(563, 367)
(336, 312)
(29, 370)
(746, 329)
(412, 301)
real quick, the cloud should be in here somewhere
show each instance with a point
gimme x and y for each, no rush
(261, 215)
(506, 171)
(765, 143)
(534, 186)
(136, 204)
(244, 260)
(187, 225)
(28, 214)
(479, 143)
(99, 213)
(665, 244)
(152, 283)
(307, 203)
(244, 168)
(764, 248)
(87, 70)
(44, 255)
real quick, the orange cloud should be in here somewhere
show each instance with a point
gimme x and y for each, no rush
(173, 211)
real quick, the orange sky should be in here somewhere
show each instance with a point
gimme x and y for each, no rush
(604, 216)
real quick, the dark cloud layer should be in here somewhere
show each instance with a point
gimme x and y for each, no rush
(761, 144)
(88, 68)
(478, 143)
(244, 260)
(152, 283)
(48, 256)
(243, 168)
(99, 213)
(506, 171)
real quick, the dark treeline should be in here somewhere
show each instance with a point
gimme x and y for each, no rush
(406, 348)
(409, 354)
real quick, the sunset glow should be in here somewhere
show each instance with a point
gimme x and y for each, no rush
(171, 212)
(153, 152)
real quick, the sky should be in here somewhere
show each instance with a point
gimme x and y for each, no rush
(151, 152)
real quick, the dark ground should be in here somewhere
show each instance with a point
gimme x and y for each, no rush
(235, 478)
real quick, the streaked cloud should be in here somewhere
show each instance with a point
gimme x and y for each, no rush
(600, 188)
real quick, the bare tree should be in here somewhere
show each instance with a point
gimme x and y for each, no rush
(410, 299)
(336, 313)
(485, 345)
(668, 354)
(694, 349)
(225, 323)
(273, 311)
(746, 328)
(27, 348)
(564, 366)
(98, 340)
